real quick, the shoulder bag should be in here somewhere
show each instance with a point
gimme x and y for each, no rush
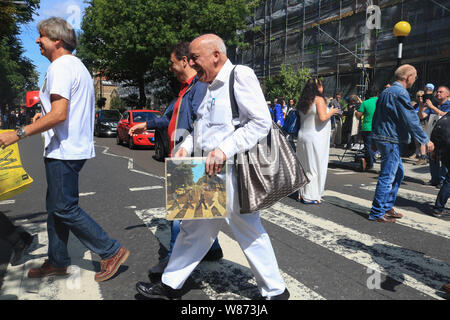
(267, 173)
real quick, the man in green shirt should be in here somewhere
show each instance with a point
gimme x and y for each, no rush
(366, 110)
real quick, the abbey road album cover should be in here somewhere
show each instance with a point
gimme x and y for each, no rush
(191, 193)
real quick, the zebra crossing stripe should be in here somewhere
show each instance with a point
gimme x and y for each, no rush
(238, 280)
(7, 202)
(79, 285)
(344, 173)
(409, 267)
(412, 195)
(146, 188)
(421, 222)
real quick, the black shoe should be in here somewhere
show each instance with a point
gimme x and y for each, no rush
(439, 213)
(19, 250)
(158, 291)
(284, 296)
(213, 255)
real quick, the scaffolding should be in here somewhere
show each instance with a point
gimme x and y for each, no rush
(331, 38)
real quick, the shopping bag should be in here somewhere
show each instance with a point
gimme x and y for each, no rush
(13, 177)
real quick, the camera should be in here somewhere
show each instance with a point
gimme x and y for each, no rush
(427, 96)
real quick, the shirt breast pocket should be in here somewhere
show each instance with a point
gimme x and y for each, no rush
(218, 115)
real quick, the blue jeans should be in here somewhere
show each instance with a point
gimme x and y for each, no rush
(389, 180)
(438, 171)
(176, 231)
(368, 152)
(444, 193)
(65, 215)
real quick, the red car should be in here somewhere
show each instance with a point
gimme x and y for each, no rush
(131, 118)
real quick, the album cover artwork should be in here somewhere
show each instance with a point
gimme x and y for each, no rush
(191, 193)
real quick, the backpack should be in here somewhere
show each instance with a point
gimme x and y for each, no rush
(291, 123)
(440, 135)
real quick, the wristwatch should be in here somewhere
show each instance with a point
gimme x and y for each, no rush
(21, 133)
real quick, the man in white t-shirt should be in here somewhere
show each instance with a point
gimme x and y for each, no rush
(67, 122)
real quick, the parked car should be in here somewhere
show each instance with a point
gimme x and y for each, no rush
(129, 119)
(162, 146)
(105, 123)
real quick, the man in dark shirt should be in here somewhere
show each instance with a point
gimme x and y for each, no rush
(434, 110)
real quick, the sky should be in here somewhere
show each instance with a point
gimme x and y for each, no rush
(71, 10)
(198, 170)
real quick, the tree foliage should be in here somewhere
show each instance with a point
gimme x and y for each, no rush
(17, 73)
(288, 83)
(129, 40)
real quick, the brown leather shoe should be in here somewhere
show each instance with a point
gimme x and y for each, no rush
(393, 214)
(47, 270)
(446, 288)
(386, 219)
(109, 267)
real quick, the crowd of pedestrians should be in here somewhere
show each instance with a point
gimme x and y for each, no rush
(202, 123)
(12, 119)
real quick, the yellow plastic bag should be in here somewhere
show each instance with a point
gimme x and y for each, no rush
(13, 177)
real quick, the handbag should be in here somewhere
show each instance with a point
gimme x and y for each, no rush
(268, 172)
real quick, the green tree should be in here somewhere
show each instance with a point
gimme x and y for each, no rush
(117, 103)
(288, 83)
(17, 73)
(129, 40)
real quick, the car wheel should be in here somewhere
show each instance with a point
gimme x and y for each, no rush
(130, 142)
(159, 150)
(95, 132)
(118, 141)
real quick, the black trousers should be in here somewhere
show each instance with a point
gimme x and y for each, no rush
(10, 233)
(7, 228)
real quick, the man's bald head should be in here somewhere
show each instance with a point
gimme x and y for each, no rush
(406, 74)
(211, 42)
(207, 55)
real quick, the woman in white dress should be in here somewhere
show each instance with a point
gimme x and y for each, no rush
(313, 144)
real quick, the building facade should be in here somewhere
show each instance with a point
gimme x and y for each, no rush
(349, 43)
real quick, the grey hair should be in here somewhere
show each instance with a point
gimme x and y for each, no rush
(59, 29)
(404, 72)
(221, 46)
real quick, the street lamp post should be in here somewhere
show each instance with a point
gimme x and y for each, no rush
(401, 31)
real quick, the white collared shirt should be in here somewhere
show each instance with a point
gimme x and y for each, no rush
(214, 127)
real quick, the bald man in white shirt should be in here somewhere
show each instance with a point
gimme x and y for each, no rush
(215, 136)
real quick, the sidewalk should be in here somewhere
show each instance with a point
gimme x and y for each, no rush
(418, 174)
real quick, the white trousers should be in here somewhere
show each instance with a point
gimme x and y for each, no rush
(197, 236)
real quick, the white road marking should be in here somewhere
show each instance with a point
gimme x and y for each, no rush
(336, 169)
(87, 194)
(79, 285)
(409, 267)
(410, 194)
(146, 188)
(344, 173)
(421, 222)
(7, 202)
(234, 269)
(130, 163)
